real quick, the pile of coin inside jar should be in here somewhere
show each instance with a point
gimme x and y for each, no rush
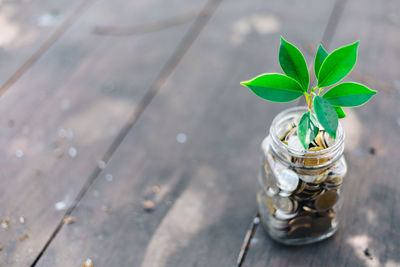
(300, 203)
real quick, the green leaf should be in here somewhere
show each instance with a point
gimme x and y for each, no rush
(293, 63)
(326, 115)
(349, 95)
(275, 87)
(337, 65)
(319, 59)
(307, 130)
(340, 112)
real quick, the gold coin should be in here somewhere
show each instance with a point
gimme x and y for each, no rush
(315, 161)
(300, 231)
(326, 200)
(321, 225)
(300, 187)
(300, 220)
(312, 187)
(309, 209)
(319, 140)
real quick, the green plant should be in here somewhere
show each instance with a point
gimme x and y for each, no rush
(323, 110)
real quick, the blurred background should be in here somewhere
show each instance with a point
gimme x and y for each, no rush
(128, 140)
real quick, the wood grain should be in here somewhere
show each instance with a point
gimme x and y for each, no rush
(372, 188)
(86, 85)
(28, 29)
(203, 186)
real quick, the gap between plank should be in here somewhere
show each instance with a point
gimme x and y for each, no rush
(330, 29)
(247, 238)
(46, 45)
(149, 27)
(187, 41)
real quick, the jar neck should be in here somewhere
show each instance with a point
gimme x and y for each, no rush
(302, 158)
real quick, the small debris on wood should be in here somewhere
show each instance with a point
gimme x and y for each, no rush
(155, 189)
(23, 237)
(38, 172)
(5, 223)
(69, 219)
(256, 220)
(59, 152)
(148, 205)
(253, 241)
(87, 263)
(367, 253)
(19, 153)
(372, 151)
(181, 138)
(61, 205)
(21, 219)
(72, 152)
(109, 177)
(101, 164)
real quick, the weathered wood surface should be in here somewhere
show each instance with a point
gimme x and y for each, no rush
(203, 187)
(371, 201)
(187, 141)
(28, 29)
(87, 85)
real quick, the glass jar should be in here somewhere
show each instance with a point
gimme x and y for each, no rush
(300, 194)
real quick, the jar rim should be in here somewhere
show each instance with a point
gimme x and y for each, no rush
(335, 148)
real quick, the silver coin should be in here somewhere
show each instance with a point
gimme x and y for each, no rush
(287, 180)
(277, 223)
(314, 178)
(285, 205)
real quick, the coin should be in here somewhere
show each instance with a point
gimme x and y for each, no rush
(319, 140)
(315, 179)
(299, 220)
(307, 195)
(300, 187)
(321, 225)
(285, 204)
(314, 160)
(287, 180)
(278, 223)
(300, 231)
(326, 200)
(328, 140)
(312, 187)
(294, 142)
(330, 213)
(336, 173)
(285, 130)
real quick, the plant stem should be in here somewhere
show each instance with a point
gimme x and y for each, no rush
(308, 100)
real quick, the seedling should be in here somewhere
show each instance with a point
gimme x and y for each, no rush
(324, 110)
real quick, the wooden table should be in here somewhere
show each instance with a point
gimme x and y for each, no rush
(108, 104)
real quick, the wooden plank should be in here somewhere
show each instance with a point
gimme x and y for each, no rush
(370, 232)
(193, 152)
(28, 29)
(66, 111)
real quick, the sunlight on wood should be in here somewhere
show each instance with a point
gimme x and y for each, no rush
(262, 24)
